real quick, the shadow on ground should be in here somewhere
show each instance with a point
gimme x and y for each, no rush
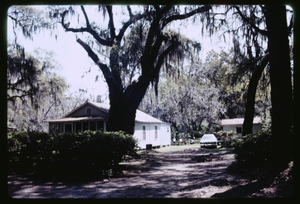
(154, 175)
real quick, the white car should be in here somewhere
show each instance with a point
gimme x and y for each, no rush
(208, 140)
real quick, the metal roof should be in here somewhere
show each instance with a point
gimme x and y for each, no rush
(239, 121)
(140, 116)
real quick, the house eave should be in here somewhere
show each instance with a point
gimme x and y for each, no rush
(239, 121)
(77, 119)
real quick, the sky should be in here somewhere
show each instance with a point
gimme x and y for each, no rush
(75, 61)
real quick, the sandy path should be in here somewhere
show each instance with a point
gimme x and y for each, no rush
(156, 175)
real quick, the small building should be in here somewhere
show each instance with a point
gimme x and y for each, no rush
(11, 129)
(149, 131)
(236, 125)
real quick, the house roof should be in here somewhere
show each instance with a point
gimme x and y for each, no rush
(239, 121)
(101, 106)
(140, 116)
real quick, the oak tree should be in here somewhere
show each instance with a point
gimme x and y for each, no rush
(267, 24)
(150, 50)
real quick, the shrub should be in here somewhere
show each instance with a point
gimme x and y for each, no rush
(196, 134)
(69, 155)
(254, 149)
(228, 139)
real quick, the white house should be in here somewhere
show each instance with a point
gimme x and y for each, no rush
(236, 125)
(149, 131)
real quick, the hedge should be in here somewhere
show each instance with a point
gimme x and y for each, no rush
(253, 150)
(228, 139)
(68, 156)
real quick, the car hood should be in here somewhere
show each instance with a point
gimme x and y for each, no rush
(208, 140)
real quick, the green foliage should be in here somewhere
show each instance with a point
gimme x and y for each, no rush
(189, 103)
(228, 139)
(32, 78)
(68, 156)
(254, 149)
(196, 134)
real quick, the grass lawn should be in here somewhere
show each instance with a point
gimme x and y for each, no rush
(181, 147)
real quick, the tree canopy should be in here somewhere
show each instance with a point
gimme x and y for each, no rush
(138, 47)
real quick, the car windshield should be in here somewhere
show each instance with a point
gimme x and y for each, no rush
(208, 138)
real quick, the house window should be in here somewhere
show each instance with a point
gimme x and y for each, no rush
(144, 132)
(88, 111)
(155, 132)
(238, 129)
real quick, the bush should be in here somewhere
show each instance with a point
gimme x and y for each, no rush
(228, 139)
(196, 134)
(254, 149)
(69, 155)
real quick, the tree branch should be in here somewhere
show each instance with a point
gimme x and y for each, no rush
(164, 54)
(132, 20)
(12, 98)
(156, 26)
(111, 22)
(152, 32)
(104, 68)
(263, 32)
(166, 9)
(155, 49)
(86, 17)
(87, 29)
(129, 11)
(187, 15)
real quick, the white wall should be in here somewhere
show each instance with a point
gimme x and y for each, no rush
(163, 134)
(165, 131)
(228, 128)
(255, 128)
(138, 134)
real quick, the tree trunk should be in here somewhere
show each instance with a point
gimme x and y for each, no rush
(280, 75)
(123, 105)
(121, 115)
(249, 115)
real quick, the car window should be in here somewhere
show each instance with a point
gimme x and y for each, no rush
(206, 137)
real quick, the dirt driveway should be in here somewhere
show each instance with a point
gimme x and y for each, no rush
(184, 174)
(191, 173)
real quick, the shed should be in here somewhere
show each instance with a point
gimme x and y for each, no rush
(11, 128)
(149, 131)
(236, 125)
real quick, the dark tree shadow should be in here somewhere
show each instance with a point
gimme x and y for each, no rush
(151, 178)
(258, 179)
